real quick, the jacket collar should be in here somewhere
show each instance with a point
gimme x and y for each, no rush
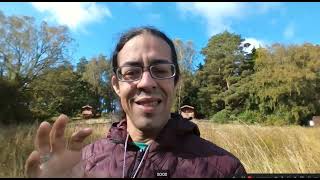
(168, 136)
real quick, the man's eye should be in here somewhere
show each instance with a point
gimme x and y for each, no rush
(160, 71)
(157, 70)
(131, 72)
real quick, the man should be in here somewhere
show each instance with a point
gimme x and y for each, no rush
(149, 141)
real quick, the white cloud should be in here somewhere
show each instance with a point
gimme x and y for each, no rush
(73, 14)
(289, 31)
(219, 15)
(254, 43)
(215, 13)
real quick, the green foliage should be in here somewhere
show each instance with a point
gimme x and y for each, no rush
(286, 83)
(81, 65)
(97, 72)
(27, 50)
(57, 91)
(250, 117)
(63, 90)
(224, 72)
(276, 85)
(223, 116)
(13, 104)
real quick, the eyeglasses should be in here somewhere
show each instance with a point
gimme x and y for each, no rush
(157, 71)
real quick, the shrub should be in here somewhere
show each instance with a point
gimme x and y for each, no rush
(250, 117)
(223, 116)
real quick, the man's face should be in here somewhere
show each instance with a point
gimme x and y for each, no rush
(146, 102)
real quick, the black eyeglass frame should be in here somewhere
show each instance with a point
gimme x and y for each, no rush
(143, 69)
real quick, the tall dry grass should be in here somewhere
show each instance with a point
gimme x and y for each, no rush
(268, 149)
(290, 149)
(16, 143)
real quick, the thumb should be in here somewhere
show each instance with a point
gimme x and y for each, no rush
(77, 138)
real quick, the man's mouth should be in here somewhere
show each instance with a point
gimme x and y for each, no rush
(148, 102)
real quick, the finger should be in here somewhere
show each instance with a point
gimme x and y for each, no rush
(32, 166)
(57, 139)
(77, 138)
(42, 142)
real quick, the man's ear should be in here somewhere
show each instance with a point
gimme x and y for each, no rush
(115, 85)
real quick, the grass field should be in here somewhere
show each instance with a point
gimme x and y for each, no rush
(262, 149)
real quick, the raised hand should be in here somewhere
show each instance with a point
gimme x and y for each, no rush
(51, 157)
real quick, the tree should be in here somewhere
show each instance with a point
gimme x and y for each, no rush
(81, 65)
(27, 50)
(220, 76)
(58, 90)
(98, 73)
(13, 106)
(186, 56)
(286, 83)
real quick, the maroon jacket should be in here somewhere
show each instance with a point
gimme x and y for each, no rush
(179, 151)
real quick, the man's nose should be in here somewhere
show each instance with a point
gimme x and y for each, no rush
(146, 82)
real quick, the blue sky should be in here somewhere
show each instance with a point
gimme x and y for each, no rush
(96, 26)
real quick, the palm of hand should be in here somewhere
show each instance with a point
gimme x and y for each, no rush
(63, 162)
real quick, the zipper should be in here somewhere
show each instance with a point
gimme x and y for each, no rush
(136, 163)
(138, 160)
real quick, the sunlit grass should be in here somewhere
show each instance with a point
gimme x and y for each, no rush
(268, 149)
(261, 149)
(16, 143)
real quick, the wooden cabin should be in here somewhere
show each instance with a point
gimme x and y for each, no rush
(87, 112)
(187, 112)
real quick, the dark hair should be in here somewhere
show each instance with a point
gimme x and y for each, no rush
(125, 37)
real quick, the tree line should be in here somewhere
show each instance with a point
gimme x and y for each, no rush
(37, 80)
(274, 85)
(277, 85)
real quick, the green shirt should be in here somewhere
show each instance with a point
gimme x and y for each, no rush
(140, 145)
